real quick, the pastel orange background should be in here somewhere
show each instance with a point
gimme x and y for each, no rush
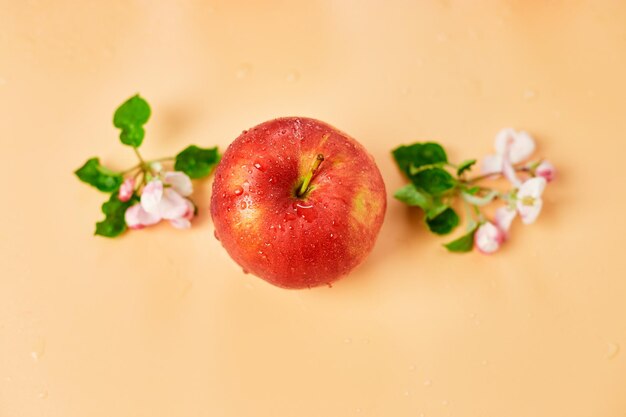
(162, 323)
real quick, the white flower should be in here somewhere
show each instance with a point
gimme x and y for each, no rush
(163, 199)
(488, 238)
(509, 143)
(528, 204)
(529, 200)
(504, 218)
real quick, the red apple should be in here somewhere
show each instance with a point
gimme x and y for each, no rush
(297, 202)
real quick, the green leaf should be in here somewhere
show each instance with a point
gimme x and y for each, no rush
(410, 195)
(463, 244)
(99, 176)
(197, 162)
(434, 180)
(444, 222)
(465, 166)
(114, 223)
(435, 209)
(130, 118)
(419, 154)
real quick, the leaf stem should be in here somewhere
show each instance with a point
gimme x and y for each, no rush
(494, 174)
(169, 158)
(139, 156)
(145, 164)
(131, 169)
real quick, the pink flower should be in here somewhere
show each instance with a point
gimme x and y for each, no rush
(488, 238)
(126, 189)
(514, 145)
(546, 170)
(137, 218)
(163, 199)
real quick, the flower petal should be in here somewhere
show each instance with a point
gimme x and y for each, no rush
(517, 145)
(172, 205)
(509, 171)
(156, 167)
(532, 188)
(492, 164)
(126, 189)
(181, 223)
(151, 196)
(522, 147)
(488, 238)
(179, 182)
(137, 218)
(503, 138)
(529, 212)
(191, 210)
(504, 218)
(546, 170)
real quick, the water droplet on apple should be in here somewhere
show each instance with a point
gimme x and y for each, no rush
(249, 171)
(306, 211)
(259, 167)
(238, 190)
(290, 216)
(245, 271)
(243, 205)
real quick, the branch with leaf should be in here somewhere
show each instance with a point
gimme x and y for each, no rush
(145, 193)
(436, 185)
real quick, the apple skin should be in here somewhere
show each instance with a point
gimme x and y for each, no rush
(290, 241)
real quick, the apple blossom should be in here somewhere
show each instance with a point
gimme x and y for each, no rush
(433, 188)
(546, 170)
(488, 238)
(137, 218)
(163, 200)
(516, 145)
(163, 195)
(127, 189)
(529, 202)
(504, 217)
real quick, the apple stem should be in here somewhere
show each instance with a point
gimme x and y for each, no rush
(309, 175)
